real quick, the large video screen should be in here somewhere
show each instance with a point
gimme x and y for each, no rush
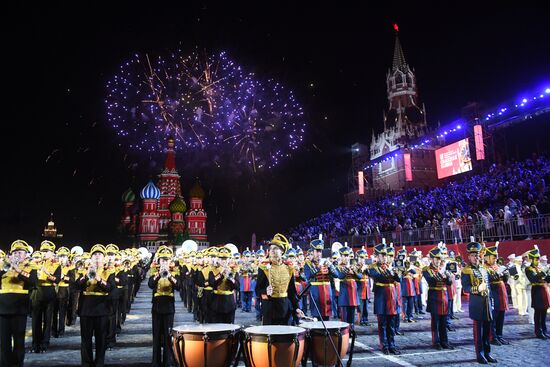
(453, 159)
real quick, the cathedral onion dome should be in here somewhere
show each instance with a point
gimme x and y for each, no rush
(128, 196)
(150, 191)
(196, 191)
(177, 205)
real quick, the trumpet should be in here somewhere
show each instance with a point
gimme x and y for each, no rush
(6, 265)
(164, 273)
(92, 272)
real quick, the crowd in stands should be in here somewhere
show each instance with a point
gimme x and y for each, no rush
(488, 202)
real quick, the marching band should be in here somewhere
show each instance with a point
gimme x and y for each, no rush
(100, 285)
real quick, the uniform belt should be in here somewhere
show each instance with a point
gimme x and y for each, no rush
(120, 286)
(279, 295)
(224, 293)
(320, 283)
(45, 284)
(385, 284)
(437, 288)
(208, 288)
(17, 291)
(497, 282)
(539, 284)
(95, 293)
(348, 280)
(63, 285)
(159, 294)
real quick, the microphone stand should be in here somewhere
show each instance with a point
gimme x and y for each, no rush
(337, 353)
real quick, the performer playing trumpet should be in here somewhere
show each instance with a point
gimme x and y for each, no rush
(164, 282)
(474, 281)
(94, 307)
(222, 280)
(438, 300)
(17, 277)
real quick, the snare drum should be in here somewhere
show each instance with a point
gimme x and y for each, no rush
(208, 345)
(319, 346)
(274, 346)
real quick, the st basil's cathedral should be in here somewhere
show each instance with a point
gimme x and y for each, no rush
(162, 217)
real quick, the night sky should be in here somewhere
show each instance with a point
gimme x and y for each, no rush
(61, 156)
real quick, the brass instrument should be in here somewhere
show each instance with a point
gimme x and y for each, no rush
(164, 273)
(6, 265)
(92, 272)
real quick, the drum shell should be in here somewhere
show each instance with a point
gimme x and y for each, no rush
(322, 353)
(189, 348)
(283, 349)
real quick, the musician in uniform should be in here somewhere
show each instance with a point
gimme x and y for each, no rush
(363, 287)
(499, 296)
(62, 300)
(475, 282)
(222, 280)
(95, 307)
(206, 299)
(349, 276)
(385, 302)
(438, 300)
(318, 273)
(390, 251)
(44, 300)
(408, 289)
(245, 279)
(17, 277)
(540, 292)
(163, 280)
(276, 287)
(198, 286)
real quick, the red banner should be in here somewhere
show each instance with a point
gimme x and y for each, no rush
(361, 183)
(408, 167)
(480, 149)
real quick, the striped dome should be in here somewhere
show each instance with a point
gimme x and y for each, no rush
(177, 205)
(150, 191)
(128, 196)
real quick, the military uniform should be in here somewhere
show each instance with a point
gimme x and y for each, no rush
(14, 305)
(245, 280)
(363, 289)
(499, 296)
(163, 309)
(348, 300)
(385, 301)
(480, 307)
(94, 309)
(320, 276)
(277, 307)
(223, 304)
(62, 300)
(438, 301)
(43, 302)
(540, 293)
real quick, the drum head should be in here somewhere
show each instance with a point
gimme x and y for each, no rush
(274, 330)
(205, 328)
(329, 324)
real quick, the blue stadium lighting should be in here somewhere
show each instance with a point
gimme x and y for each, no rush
(524, 100)
(547, 91)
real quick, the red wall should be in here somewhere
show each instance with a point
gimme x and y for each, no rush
(504, 249)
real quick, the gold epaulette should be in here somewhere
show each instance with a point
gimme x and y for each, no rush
(467, 270)
(426, 268)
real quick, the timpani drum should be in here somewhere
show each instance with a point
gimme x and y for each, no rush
(205, 345)
(274, 346)
(319, 347)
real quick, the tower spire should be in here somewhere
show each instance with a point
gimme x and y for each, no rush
(170, 163)
(398, 55)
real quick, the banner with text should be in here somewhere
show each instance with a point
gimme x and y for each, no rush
(453, 159)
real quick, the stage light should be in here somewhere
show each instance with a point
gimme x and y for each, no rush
(524, 100)
(459, 127)
(547, 91)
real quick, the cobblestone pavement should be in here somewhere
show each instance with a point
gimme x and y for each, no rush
(134, 343)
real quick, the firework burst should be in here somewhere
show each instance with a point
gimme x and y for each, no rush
(209, 104)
